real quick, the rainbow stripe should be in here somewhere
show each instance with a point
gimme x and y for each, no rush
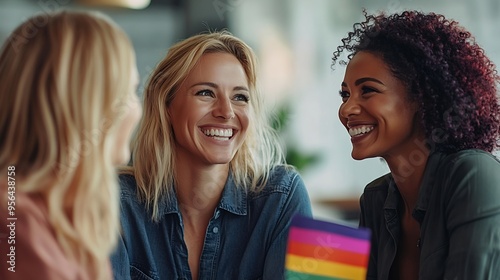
(320, 250)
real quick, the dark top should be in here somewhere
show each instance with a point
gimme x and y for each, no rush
(458, 209)
(245, 239)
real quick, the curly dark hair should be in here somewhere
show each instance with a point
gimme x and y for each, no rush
(444, 70)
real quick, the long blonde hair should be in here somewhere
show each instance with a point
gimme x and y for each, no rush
(64, 78)
(153, 149)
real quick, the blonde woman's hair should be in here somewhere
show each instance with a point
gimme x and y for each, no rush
(153, 149)
(64, 80)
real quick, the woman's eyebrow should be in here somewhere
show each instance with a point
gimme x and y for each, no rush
(205, 84)
(362, 80)
(366, 79)
(214, 85)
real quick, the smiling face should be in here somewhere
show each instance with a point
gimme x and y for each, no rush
(375, 110)
(209, 112)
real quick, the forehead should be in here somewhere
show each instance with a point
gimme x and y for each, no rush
(366, 63)
(369, 65)
(211, 65)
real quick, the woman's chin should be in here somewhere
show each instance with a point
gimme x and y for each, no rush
(357, 155)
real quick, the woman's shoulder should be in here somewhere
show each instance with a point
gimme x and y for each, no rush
(471, 156)
(128, 185)
(132, 208)
(468, 188)
(34, 239)
(29, 212)
(283, 179)
(283, 175)
(467, 162)
(284, 189)
(477, 167)
(130, 202)
(380, 184)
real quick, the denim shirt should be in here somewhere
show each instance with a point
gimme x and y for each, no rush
(458, 209)
(246, 237)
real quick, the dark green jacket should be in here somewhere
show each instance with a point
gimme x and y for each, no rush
(459, 214)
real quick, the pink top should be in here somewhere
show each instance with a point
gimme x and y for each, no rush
(28, 246)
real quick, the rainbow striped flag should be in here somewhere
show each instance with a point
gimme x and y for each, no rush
(320, 250)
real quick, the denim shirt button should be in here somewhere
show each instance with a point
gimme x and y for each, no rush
(215, 230)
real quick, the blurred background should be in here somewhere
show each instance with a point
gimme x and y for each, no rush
(294, 41)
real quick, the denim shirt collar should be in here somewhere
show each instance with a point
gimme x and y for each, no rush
(233, 200)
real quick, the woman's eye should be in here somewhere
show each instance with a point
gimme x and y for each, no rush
(205, 92)
(344, 95)
(242, 97)
(366, 89)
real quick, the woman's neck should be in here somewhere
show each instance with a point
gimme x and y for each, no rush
(408, 170)
(199, 186)
(199, 189)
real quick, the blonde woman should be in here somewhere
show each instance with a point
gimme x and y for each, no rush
(68, 109)
(208, 195)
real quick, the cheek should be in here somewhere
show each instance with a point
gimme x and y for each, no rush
(177, 119)
(183, 125)
(400, 119)
(176, 129)
(244, 118)
(393, 111)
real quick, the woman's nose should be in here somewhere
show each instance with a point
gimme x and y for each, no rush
(224, 109)
(350, 107)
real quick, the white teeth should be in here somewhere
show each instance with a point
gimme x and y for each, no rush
(360, 130)
(218, 132)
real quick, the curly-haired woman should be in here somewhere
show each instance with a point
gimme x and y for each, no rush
(420, 93)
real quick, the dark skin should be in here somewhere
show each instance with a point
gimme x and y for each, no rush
(383, 123)
(406, 262)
